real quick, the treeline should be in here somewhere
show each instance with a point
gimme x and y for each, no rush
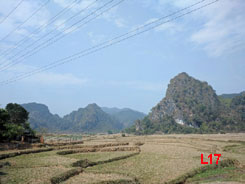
(13, 123)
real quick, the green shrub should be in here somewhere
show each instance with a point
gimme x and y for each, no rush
(83, 163)
(64, 176)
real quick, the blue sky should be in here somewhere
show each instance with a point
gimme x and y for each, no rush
(208, 44)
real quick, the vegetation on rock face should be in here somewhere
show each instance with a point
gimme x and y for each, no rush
(92, 119)
(41, 118)
(13, 123)
(192, 106)
(238, 106)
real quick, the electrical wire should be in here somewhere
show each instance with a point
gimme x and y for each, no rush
(34, 13)
(40, 28)
(12, 11)
(61, 35)
(101, 47)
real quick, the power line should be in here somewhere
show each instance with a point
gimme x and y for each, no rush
(109, 43)
(47, 42)
(34, 13)
(60, 26)
(12, 11)
(41, 27)
(105, 44)
(62, 34)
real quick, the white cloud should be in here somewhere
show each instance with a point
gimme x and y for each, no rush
(120, 22)
(76, 5)
(224, 28)
(21, 14)
(177, 3)
(43, 78)
(60, 24)
(171, 27)
(138, 85)
(49, 78)
(96, 38)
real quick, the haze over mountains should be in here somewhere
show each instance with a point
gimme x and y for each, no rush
(125, 116)
(91, 119)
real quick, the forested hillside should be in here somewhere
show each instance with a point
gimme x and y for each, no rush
(192, 106)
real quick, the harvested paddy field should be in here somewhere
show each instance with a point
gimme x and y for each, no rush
(131, 159)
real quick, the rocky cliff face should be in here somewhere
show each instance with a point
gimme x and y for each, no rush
(90, 119)
(188, 101)
(40, 117)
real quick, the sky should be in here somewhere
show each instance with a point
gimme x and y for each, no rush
(208, 44)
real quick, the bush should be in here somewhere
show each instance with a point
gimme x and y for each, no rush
(109, 132)
(139, 143)
(14, 154)
(64, 176)
(83, 163)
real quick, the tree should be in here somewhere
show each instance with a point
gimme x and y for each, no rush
(18, 115)
(13, 123)
(4, 118)
(109, 132)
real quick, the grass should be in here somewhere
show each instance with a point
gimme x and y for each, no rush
(147, 167)
(220, 174)
(162, 159)
(99, 156)
(44, 159)
(86, 178)
(203, 170)
(15, 153)
(235, 148)
(81, 164)
(35, 168)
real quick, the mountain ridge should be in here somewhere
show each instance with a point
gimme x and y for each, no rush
(126, 116)
(90, 119)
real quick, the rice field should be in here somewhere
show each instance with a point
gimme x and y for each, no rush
(162, 158)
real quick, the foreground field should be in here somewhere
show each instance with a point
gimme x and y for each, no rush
(161, 159)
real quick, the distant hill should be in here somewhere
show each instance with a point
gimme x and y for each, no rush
(125, 116)
(91, 119)
(238, 107)
(40, 117)
(111, 111)
(192, 106)
(227, 98)
(230, 96)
